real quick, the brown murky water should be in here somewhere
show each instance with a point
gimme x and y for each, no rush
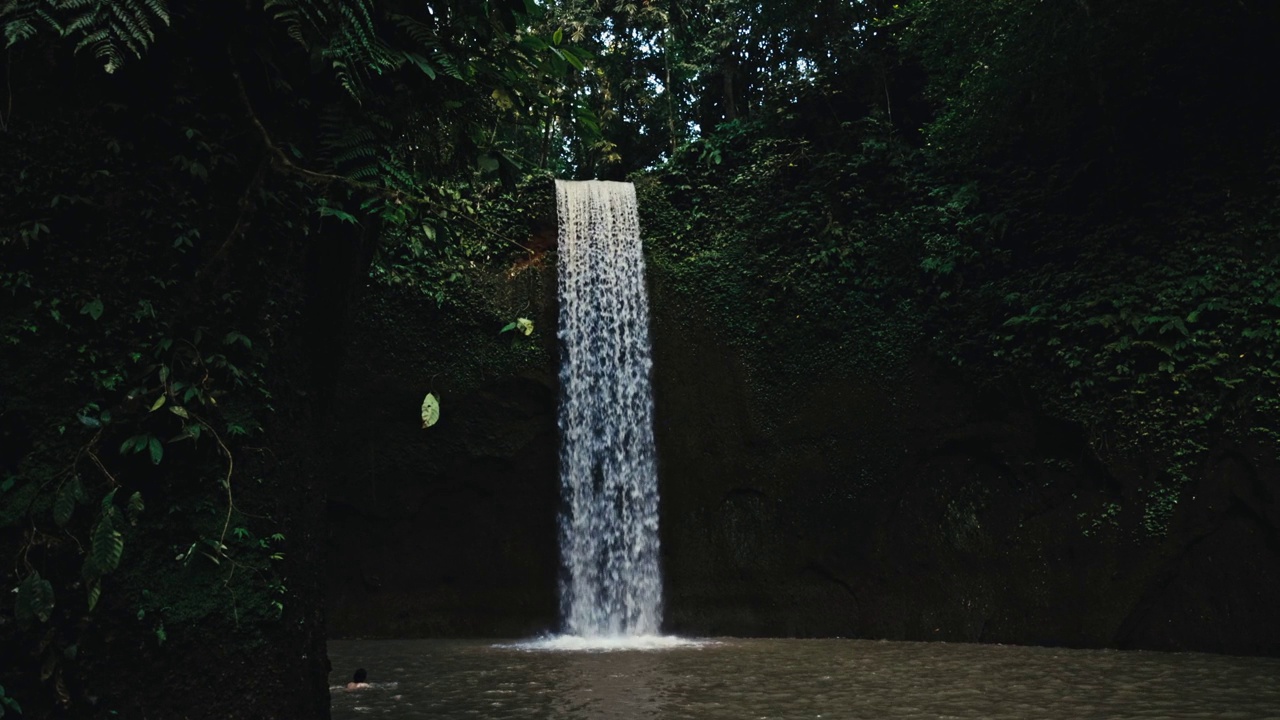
(757, 679)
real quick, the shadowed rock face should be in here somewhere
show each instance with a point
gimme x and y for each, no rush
(911, 507)
(460, 544)
(914, 507)
(449, 530)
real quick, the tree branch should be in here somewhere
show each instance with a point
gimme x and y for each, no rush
(242, 218)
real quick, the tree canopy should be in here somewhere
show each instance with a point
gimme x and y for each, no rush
(1074, 198)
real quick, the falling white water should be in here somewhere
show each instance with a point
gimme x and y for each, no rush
(609, 521)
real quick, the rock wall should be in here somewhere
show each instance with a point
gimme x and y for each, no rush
(920, 508)
(903, 505)
(448, 530)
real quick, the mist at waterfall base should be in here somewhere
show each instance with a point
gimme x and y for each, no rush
(611, 585)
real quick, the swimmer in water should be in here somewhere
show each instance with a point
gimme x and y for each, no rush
(358, 680)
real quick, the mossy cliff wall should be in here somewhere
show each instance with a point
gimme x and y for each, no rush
(912, 505)
(815, 480)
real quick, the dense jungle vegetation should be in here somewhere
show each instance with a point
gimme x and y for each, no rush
(1072, 201)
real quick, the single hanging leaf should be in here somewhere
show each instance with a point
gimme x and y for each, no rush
(159, 403)
(64, 503)
(573, 59)
(157, 450)
(235, 337)
(108, 543)
(135, 507)
(524, 325)
(422, 64)
(60, 689)
(78, 488)
(430, 410)
(35, 599)
(326, 211)
(95, 592)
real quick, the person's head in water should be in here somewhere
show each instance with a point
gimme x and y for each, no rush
(357, 680)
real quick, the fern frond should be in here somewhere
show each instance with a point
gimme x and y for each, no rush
(343, 33)
(366, 148)
(132, 24)
(157, 8)
(426, 41)
(15, 31)
(80, 23)
(419, 33)
(22, 19)
(106, 26)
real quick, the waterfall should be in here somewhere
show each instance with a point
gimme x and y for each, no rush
(608, 477)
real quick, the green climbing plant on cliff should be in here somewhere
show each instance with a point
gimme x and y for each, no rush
(786, 236)
(1097, 278)
(1157, 358)
(991, 232)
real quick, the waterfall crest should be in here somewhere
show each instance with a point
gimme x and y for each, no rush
(609, 519)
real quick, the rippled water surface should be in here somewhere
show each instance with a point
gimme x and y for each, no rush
(845, 679)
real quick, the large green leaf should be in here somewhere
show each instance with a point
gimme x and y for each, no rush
(344, 216)
(64, 503)
(35, 599)
(135, 507)
(107, 542)
(430, 410)
(422, 64)
(95, 591)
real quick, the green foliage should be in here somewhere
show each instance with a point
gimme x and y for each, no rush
(1153, 332)
(349, 43)
(34, 600)
(987, 59)
(160, 237)
(523, 325)
(1165, 359)
(8, 704)
(108, 542)
(70, 494)
(781, 230)
(93, 308)
(107, 28)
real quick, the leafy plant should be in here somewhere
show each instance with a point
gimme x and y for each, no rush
(8, 703)
(107, 28)
(523, 325)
